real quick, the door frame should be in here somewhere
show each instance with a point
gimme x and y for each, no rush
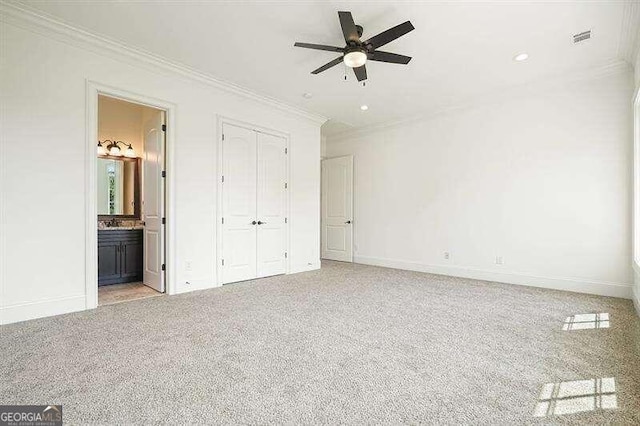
(221, 121)
(635, 113)
(350, 157)
(93, 90)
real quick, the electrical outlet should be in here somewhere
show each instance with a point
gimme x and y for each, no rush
(499, 260)
(188, 266)
(447, 256)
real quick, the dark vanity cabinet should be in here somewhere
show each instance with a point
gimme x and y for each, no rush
(119, 256)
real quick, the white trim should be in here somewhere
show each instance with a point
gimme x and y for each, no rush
(544, 84)
(603, 288)
(629, 31)
(636, 299)
(305, 267)
(222, 120)
(36, 21)
(636, 179)
(636, 287)
(94, 89)
(636, 201)
(41, 308)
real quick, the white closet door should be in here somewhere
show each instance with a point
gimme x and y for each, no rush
(337, 208)
(239, 204)
(271, 196)
(153, 196)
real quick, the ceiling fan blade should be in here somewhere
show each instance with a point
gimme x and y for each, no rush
(327, 65)
(348, 27)
(361, 73)
(391, 58)
(319, 47)
(389, 35)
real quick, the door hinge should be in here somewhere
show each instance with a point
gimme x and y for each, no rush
(286, 185)
(285, 220)
(285, 254)
(164, 174)
(223, 136)
(286, 150)
(164, 220)
(164, 127)
(222, 178)
(163, 267)
(223, 220)
(222, 262)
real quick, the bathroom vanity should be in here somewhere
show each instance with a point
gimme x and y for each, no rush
(119, 256)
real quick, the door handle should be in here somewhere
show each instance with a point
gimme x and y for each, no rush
(348, 222)
(254, 222)
(261, 222)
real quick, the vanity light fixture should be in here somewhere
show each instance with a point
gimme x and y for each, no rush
(101, 149)
(114, 150)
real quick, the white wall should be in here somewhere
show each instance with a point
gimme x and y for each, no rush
(43, 87)
(543, 180)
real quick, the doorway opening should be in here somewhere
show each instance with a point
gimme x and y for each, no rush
(130, 200)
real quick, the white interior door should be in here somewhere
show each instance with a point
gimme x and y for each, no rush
(271, 207)
(337, 208)
(153, 202)
(239, 227)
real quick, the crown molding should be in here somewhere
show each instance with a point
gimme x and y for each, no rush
(29, 19)
(629, 41)
(542, 85)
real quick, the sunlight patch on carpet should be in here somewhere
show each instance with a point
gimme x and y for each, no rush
(586, 322)
(576, 396)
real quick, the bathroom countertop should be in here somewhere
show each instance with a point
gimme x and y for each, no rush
(120, 228)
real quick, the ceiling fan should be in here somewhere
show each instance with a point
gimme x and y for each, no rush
(356, 52)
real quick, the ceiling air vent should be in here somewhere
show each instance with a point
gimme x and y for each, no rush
(586, 35)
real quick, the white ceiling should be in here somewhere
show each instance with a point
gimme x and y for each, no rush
(460, 50)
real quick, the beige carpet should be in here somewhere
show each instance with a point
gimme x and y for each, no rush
(346, 344)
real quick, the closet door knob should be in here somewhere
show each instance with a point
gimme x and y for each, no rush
(261, 222)
(348, 222)
(254, 222)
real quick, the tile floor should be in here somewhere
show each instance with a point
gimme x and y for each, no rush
(117, 293)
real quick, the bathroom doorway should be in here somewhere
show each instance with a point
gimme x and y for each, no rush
(130, 176)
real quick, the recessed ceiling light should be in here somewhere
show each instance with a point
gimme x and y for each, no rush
(307, 95)
(521, 57)
(364, 107)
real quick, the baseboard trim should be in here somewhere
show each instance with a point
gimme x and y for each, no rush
(636, 299)
(42, 308)
(601, 288)
(304, 268)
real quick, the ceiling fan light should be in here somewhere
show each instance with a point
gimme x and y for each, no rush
(355, 59)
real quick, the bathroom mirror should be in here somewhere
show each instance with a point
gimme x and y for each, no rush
(118, 187)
